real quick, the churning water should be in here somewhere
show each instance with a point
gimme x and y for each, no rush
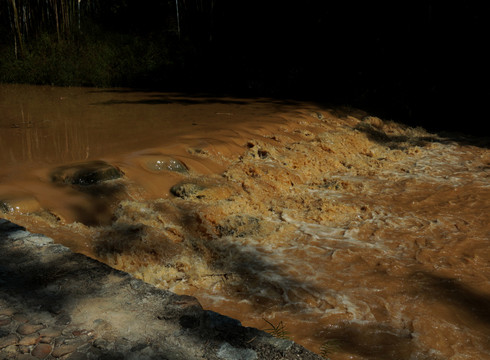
(362, 238)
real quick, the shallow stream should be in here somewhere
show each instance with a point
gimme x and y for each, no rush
(356, 237)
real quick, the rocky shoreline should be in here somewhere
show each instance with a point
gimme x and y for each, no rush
(56, 304)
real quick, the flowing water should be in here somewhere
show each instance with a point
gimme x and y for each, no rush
(362, 238)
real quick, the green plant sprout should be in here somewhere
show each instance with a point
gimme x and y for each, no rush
(328, 347)
(278, 331)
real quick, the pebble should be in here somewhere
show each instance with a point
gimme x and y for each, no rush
(27, 329)
(78, 356)
(41, 351)
(46, 340)
(7, 311)
(30, 340)
(64, 350)
(8, 340)
(20, 318)
(25, 357)
(5, 321)
(25, 349)
(50, 332)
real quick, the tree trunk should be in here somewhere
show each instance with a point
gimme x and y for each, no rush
(18, 30)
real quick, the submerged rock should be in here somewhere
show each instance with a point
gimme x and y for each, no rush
(20, 205)
(164, 163)
(188, 190)
(87, 173)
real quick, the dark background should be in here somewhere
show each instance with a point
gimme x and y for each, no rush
(422, 63)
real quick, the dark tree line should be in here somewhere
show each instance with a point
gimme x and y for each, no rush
(409, 59)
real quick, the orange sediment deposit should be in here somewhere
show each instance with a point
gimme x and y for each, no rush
(362, 237)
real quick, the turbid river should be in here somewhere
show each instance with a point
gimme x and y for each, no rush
(357, 237)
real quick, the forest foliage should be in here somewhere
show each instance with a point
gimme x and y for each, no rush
(98, 42)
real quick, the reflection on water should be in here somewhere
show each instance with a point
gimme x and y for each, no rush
(365, 238)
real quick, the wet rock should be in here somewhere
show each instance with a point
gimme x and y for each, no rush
(27, 329)
(8, 340)
(19, 205)
(188, 190)
(41, 351)
(84, 174)
(164, 163)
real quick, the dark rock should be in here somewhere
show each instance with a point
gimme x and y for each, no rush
(63, 319)
(215, 321)
(83, 174)
(189, 322)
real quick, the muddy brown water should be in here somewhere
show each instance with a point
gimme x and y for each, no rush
(359, 237)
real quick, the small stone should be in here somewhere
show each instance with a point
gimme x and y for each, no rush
(27, 329)
(64, 350)
(25, 357)
(101, 344)
(50, 332)
(63, 319)
(30, 340)
(20, 318)
(8, 340)
(7, 311)
(5, 321)
(41, 351)
(25, 349)
(46, 340)
(11, 349)
(77, 356)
